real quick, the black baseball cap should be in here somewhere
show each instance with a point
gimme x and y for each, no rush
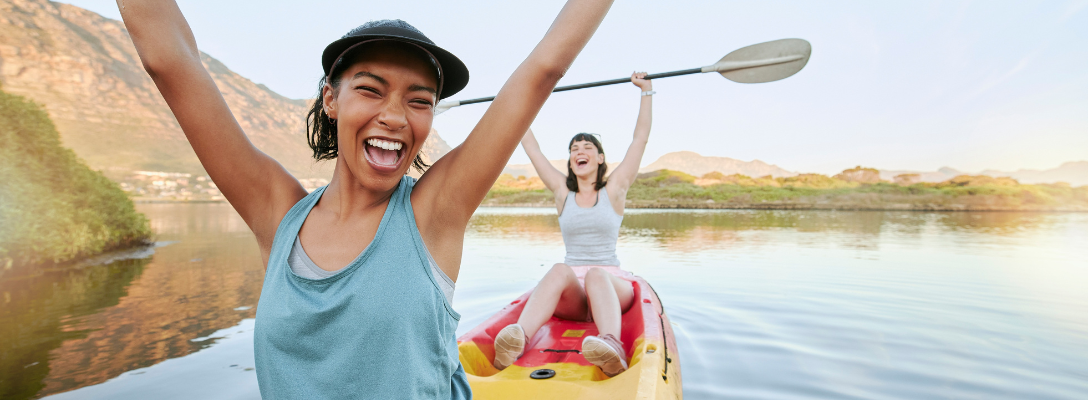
(452, 73)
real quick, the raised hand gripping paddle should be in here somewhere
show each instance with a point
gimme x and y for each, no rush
(758, 63)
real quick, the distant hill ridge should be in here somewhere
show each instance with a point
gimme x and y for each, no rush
(688, 162)
(1074, 173)
(84, 69)
(696, 164)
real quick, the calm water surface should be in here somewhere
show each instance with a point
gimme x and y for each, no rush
(765, 304)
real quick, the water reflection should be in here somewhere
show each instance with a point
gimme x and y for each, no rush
(41, 313)
(687, 230)
(767, 304)
(85, 326)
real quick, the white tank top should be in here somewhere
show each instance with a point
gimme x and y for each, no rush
(590, 234)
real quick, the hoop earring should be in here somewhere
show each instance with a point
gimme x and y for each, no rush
(332, 121)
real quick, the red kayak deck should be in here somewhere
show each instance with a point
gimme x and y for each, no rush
(646, 335)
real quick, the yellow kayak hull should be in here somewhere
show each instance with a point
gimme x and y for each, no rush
(654, 371)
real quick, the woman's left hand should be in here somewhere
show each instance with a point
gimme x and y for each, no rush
(639, 79)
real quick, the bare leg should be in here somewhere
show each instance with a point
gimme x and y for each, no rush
(609, 297)
(559, 293)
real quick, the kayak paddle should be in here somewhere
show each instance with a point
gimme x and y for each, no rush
(758, 63)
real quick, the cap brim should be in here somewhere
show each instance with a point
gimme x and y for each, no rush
(455, 72)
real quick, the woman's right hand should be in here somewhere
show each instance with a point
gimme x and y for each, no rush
(639, 79)
(459, 181)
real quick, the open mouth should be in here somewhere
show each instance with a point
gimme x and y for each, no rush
(581, 162)
(384, 154)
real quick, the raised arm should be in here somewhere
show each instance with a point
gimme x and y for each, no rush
(459, 181)
(447, 195)
(552, 177)
(255, 184)
(624, 175)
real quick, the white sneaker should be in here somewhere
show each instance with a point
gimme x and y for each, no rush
(605, 352)
(509, 344)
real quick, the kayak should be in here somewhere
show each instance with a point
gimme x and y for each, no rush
(552, 366)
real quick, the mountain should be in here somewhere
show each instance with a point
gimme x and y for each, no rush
(1074, 173)
(684, 161)
(434, 147)
(84, 69)
(939, 175)
(698, 165)
(528, 171)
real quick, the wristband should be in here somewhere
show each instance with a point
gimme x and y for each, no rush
(649, 93)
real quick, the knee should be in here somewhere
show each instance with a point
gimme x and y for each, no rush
(560, 272)
(598, 275)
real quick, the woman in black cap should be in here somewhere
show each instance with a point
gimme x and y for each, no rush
(358, 273)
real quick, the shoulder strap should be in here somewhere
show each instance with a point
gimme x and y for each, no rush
(566, 202)
(404, 192)
(289, 227)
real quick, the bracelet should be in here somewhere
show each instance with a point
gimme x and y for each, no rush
(649, 93)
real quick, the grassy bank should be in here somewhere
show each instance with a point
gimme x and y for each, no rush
(53, 208)
(850, 190)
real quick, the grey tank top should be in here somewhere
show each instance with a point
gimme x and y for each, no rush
(590, 234)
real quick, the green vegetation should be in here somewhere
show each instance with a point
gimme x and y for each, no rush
(855, 189)
(53, 208)
(508, 190)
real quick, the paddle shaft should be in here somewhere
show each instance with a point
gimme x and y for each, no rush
(599, 83)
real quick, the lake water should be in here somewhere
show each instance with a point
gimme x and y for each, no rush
(765, 304)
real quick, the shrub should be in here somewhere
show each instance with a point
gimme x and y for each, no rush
(860, 175)
(53, 208)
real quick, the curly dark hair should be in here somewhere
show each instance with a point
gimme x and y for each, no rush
(321, 130)
(572, 181)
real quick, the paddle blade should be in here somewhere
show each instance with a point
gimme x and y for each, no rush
(765, 62)
(445, 105)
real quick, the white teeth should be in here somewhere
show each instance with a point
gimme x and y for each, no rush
(385, 144)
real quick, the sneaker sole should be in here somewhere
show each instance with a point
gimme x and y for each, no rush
(599, 353)
(507, 349)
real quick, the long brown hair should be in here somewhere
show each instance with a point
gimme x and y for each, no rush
(572, 181)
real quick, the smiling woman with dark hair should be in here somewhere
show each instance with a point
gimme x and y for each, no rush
(590, 212)
(360, 273)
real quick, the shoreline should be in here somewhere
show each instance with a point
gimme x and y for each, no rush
(811, 207)
(762, 206)
(141, 248)
(165, 201)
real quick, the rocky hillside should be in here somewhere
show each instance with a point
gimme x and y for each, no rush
(83, 68)
(688, 162)
(1074, 173)
(695, 164)
(527, 170)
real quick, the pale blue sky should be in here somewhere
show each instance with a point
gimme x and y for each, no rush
(906, 85)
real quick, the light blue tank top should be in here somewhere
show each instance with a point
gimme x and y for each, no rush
(379, 329)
